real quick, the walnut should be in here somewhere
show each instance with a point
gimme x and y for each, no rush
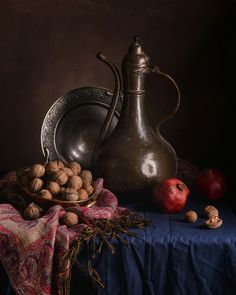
(86, 176)
(70, 194)
(191, 216)
(213, 222)
(37, 170)
(83, 195)
(45, 194)
(24, 178)
(53, 166)
(211, 211)
(35, 185)
(31, 212)
(70, 219)
(74, 181)
(75, 167)
(60, 177)
(53, 187)
(68, 171)
(88, 187)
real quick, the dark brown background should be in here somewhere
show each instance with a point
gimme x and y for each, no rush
(48, 48)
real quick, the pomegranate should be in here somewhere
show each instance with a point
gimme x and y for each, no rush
(211, 183)
(171, 195)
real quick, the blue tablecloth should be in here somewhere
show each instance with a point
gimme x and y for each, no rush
(170, 256)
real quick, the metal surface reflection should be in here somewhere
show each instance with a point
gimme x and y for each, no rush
(149, 165)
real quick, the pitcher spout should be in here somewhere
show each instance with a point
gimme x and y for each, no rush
(116, 93)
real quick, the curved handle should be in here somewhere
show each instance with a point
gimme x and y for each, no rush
(105, 127)
(156, 70)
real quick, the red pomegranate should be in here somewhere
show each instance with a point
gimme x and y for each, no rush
(211, 183)
(171, 195)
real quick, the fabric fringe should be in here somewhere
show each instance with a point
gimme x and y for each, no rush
(105, 231)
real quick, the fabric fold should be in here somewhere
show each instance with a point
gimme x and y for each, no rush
(36, 253)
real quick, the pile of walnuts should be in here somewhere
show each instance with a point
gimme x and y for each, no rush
(55, 180)
(212, 221)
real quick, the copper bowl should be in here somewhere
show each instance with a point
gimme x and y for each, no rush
(48, 203)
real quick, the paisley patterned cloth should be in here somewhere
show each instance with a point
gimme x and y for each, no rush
(35, 254)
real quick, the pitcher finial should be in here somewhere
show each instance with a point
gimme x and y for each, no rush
(136, 39)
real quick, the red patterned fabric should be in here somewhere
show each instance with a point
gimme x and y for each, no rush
(35, 253)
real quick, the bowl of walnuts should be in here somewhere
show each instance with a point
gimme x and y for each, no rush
(55, 183)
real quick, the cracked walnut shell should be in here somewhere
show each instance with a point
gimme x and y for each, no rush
(213, 222)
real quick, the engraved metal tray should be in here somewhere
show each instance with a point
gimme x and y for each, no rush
(72, 124)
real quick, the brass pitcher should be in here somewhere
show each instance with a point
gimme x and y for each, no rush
(134, 156)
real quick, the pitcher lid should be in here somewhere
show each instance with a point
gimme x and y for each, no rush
(136, 57)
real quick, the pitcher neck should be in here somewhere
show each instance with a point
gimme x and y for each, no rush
(133, 113)
(134, 83)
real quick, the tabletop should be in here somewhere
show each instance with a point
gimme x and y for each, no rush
(170, 256)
